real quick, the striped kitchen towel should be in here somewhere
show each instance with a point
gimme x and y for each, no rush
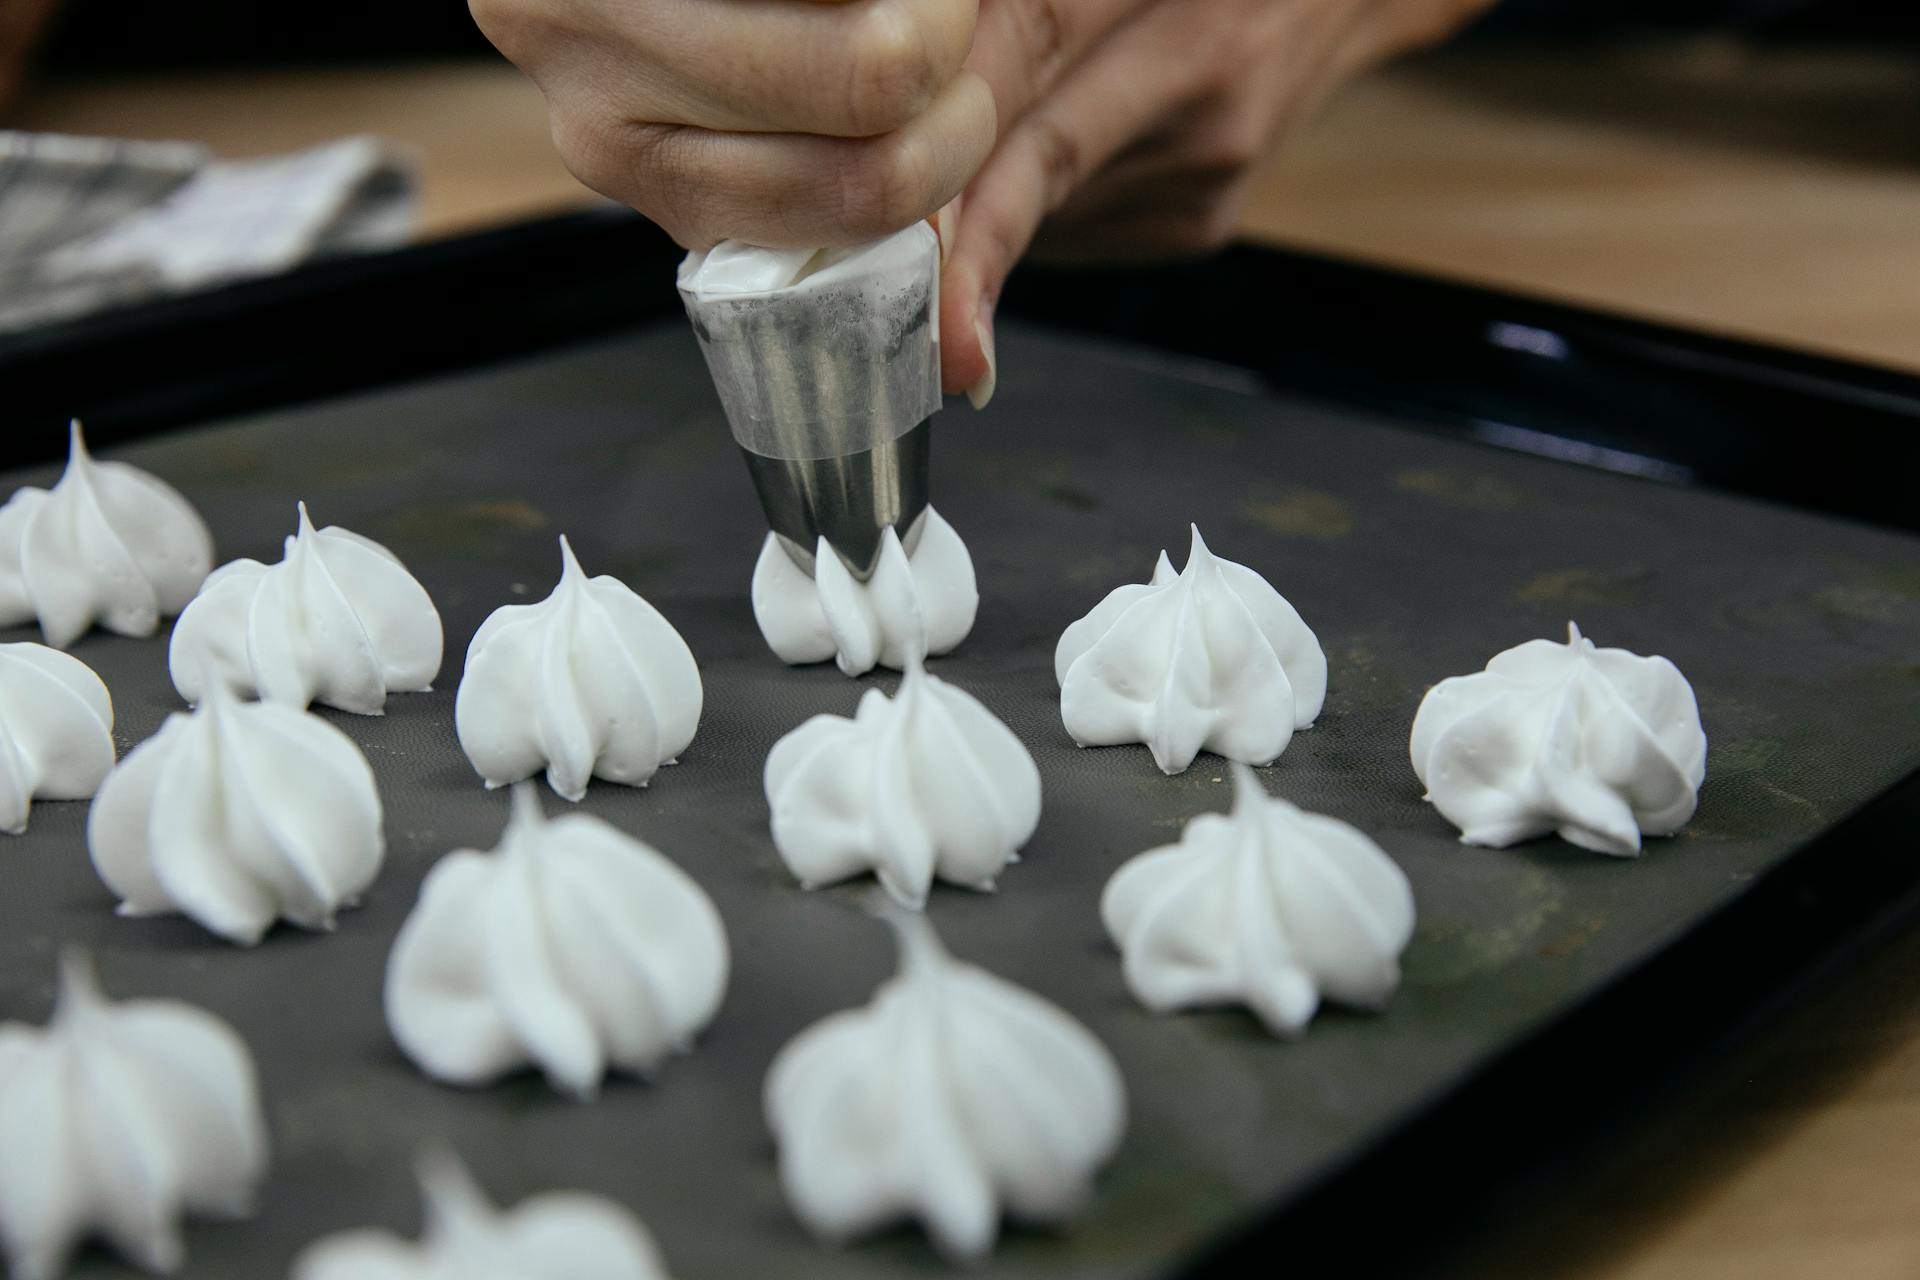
(88, 224)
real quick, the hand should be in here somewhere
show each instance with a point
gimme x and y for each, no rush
(784, 123)
(1135, 129)
(819, 122)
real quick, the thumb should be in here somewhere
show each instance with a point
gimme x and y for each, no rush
(967, 362)
(1000, 212)
(1099, 108)
(966, 319)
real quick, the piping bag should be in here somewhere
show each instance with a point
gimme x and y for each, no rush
(827, 363)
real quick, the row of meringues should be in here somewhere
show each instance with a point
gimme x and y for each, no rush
(1268, 907)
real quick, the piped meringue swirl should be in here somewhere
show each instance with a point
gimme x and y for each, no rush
(237, 815)
(590, 683)
(925, 784)
(56, 730)
(572, 947)
(951, 1097)
(1602, 746)
(1211, 658)
(559, 1235)
(109, 544)
(1268, 907)
(118, 1119)
(921, 603)
(338, 621)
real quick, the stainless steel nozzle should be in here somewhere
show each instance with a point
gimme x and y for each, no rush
(850, 500)
(828, 367)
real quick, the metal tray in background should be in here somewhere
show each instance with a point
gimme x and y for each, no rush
(1536, 972)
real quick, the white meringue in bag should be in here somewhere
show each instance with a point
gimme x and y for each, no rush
(560, 1235)
(1268, 906)
(926, 783)
(915, 604)
(109, 544)
(1599, 745)
(237, 815)
(118, 1119)
(338, 621)
(590, 683)
(1210, 658)
(572, 947)
(952, 1096)
(56, 730)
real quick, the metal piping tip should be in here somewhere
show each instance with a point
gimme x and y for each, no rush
(851, 501)
(828, 368)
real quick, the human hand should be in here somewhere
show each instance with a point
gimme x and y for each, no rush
(1133, 124)
(1134, 129)
(784, 123)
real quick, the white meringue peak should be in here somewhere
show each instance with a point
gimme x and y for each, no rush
(338, 621)
(237, 815)
(572, 947)
(926, 783)
(1211, 658)
(590, 683)
(117, 1120)
(559, 1235)
(1268, 906)
(919, 604)
(951, 1097)
(56, 730)
(108, 544)
(1600, 745)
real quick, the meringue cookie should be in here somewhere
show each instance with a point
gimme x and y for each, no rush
(951, 1095)
(56, 730)
(109, 544)
(1269, 906)
(118, 1118)
(1211, 658)
(338, 621)
(237, 815)
(927, 783)
(572, 947)
(1600, 745)
(591, 683)
(914, 604)
(561, 1235)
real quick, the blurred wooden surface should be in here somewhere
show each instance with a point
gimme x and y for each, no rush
(479, 131)
(1776, 197)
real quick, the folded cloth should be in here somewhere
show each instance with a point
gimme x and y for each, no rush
(92, 223)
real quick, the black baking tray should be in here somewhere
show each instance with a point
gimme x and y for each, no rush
(1333, 426)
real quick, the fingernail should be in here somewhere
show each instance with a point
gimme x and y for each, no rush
(946, 225)
(982, 391)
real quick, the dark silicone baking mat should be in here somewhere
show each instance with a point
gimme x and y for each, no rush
(1412, 557)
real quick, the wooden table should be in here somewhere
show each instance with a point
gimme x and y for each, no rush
(1772, 196)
